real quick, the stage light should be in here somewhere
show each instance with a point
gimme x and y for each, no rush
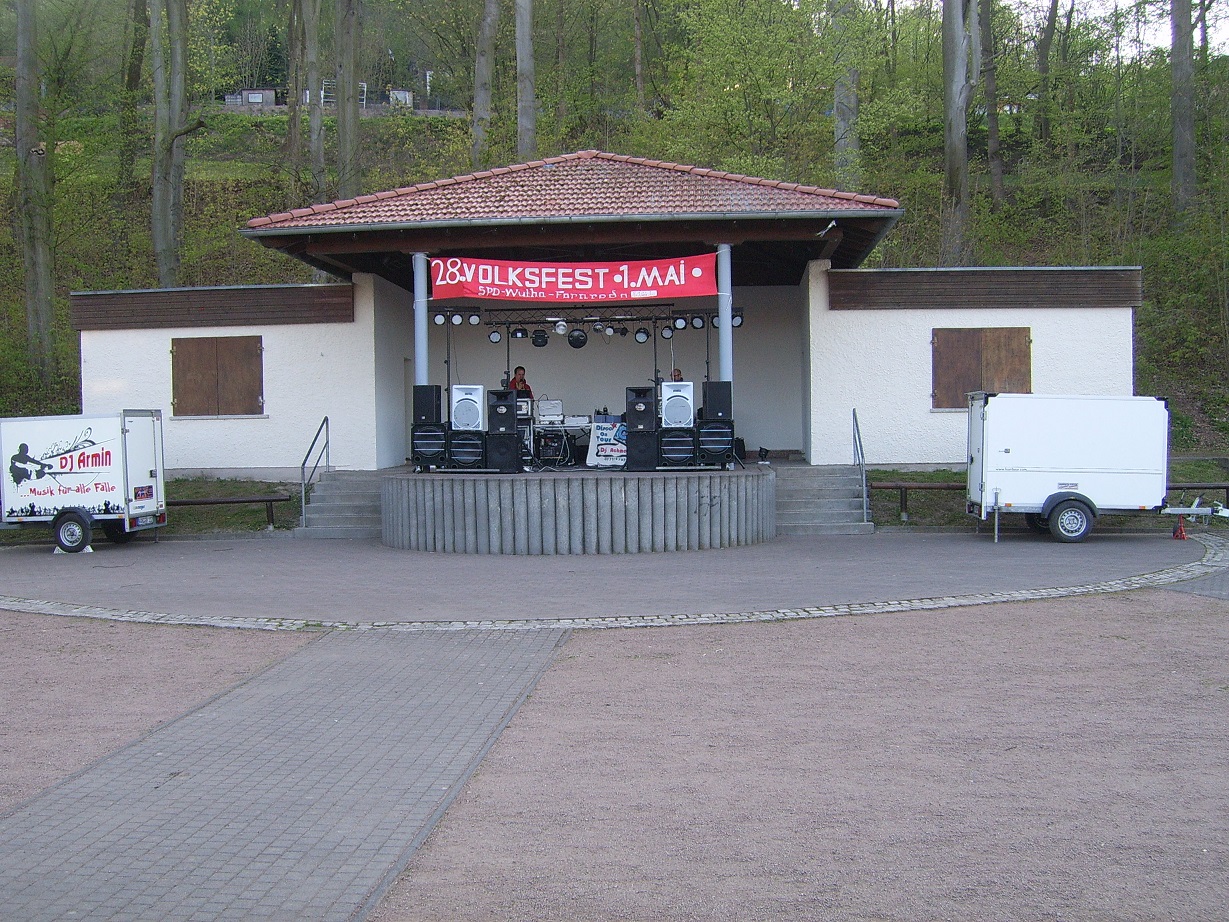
(577, 339)
(736, 321)
(698, 322)
(456, 320)
(561, 327)
(597, 326)
(680, 323)
(540, 338)
(642, 335)
(623, 331)
(494, 336)
(609, 331)
(439, 320)
(520, 333)
(667, 332)
(474, 320)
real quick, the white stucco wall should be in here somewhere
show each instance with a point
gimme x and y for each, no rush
(394, 345)
(310, 371)
(879, 362)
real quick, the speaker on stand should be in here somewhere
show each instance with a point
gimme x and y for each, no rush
(718, 400)
(426, 403)
(641, 415)
(501, 412)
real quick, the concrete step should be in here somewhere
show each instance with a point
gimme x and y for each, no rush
(366, 519)
(365, 502)
(337, 531)
(819, 528)
(802, 516)
(845, 507)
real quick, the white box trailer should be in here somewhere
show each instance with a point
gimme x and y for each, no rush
(1063, 461)
(82, 472)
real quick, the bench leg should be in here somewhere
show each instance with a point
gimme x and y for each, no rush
(269, 516)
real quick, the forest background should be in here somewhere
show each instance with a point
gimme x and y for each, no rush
(1093, 135)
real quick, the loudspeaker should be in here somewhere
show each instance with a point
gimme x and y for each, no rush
(678, 405)
(501, 412)
(641, 413)
(676, 447)
(429, 444)
(718, 400)
(641, 450)
(503, 452)
(466, 449)
(426, 403)
(715, 441)
(467, 407)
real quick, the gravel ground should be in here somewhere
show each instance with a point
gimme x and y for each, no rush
(1066, 759)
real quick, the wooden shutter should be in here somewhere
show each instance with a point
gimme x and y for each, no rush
(194, 376)
(240, 376)
(994, 359)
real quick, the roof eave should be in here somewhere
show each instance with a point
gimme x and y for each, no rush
(271, 230)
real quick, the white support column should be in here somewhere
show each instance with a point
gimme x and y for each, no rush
(421, 268)
(725, 314)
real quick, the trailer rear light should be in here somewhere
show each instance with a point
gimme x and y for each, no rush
(161, 518)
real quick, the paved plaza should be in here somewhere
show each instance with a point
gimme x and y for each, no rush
(303, 792)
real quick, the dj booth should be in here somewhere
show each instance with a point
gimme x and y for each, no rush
(498, 431)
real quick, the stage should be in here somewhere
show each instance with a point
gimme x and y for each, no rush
(578, 511)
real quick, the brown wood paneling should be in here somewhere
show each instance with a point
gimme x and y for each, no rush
(902, 289)
(254, 305)
(194, 376)
(240, 376)
(1007, 366)
(956, 363)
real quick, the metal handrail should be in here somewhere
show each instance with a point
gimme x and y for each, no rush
(304, 477)
(859, 458)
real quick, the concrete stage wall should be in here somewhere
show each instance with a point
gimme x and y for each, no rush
(582, 512)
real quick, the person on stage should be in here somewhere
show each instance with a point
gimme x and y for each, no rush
(676, 375)
(518, 382)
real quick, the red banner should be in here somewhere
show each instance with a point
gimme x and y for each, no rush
(463, 277)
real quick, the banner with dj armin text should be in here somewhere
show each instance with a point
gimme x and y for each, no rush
(465, 277)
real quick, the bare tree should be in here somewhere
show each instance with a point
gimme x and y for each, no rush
(349, 166)
(526, 93)
(35, 181)
(638, 53)
(484, 72)
(1182, 106)
(315, 103)
(1045, 42)
(961, 44)
(847, 157)
(169, 54)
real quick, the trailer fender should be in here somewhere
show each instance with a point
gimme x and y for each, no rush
(1056, 498)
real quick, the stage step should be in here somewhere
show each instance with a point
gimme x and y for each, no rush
(343, 504)
(819, 500)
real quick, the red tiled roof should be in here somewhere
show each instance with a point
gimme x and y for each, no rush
(588, 184)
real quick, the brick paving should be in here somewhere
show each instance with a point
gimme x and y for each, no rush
(299, 795)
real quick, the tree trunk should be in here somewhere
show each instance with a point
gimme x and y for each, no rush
(293, 146)
(1045, 42)
(638, 55)
(134, 61)
(961, 43)
(994, 157)
(349, 167)
(34, 207)
(847, 153)
(484, 71)
(315, 102)
(526, 101)
(1182, 106)
(169, 46)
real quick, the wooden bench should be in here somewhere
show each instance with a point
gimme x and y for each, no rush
(234, 500)
(904, 486)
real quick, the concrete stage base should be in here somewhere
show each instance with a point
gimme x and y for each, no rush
(578, 512)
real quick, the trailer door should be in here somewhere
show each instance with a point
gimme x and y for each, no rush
(143, 467)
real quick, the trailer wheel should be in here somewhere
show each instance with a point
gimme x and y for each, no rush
(73, 531)
(1037, 522)
(115, 532)
(1070, 521)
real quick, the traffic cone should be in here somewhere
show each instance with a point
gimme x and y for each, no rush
(1180, 530)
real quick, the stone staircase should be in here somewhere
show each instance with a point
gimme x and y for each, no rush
(343, 504)
(821, 500)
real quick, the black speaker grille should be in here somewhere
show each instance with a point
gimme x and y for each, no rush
(716, 442)
(678, 447)
(466, 449)
(429, 443)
